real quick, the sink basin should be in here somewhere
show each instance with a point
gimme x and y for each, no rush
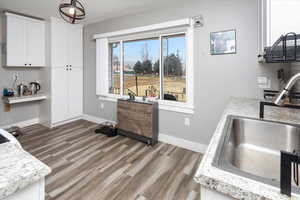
(251, 148)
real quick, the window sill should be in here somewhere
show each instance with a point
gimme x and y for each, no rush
(163, 105)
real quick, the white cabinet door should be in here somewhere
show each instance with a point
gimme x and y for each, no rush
(58, 43)
(35, 43)
(74, 45)
(16, 41)
(75, 92)
(59, 94)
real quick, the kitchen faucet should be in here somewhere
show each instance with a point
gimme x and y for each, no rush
(283, 93)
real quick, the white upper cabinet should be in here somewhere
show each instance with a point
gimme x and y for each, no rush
(35, 43)
(25, 41)
(75, 46)
(66, 41)
(58, 43)
(15, 42)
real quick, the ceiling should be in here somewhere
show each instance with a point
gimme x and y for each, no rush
(97, 10)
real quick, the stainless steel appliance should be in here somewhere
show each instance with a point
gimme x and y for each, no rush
(34, 87)
(21, 88)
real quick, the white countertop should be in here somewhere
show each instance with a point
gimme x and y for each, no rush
(234, 185)
(18, 169)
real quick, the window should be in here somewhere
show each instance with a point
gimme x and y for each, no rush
(277, 17)
(283, 18)
(140, 72)
(115, 65)
(174, 79)
(141, 68)
(154, 61)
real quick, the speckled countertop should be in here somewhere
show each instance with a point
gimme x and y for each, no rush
(234, 185)
(18, 169)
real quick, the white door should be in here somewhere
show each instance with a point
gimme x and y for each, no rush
(74, 45)
(58, 43)
(59, 91)
(35, 43)
(16, 41)
(75, 92)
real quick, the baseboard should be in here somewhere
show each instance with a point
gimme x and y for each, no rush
(94, 119)
(186, 144)
(65, 122)
(22, 123)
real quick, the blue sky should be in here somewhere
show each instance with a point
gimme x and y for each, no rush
(133, 50)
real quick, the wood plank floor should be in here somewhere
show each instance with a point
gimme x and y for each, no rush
(87, 166)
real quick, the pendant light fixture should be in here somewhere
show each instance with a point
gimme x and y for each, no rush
(71, 11)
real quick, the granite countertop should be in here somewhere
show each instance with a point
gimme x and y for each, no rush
(18, 169)
(234, 185)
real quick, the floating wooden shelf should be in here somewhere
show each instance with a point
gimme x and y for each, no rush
(22, 99)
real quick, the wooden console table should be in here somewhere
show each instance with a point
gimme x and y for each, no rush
(138, 120)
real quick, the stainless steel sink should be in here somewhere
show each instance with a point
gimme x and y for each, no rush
(251, 148)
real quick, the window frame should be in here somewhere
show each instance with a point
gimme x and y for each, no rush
(182, 107)
(263, 25)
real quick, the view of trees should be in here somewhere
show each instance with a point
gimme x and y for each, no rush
(141, 68)
(172, 66)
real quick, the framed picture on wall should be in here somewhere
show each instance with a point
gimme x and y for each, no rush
(223, 42)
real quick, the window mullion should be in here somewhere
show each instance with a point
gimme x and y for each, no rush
(160, 68)
(121, 69)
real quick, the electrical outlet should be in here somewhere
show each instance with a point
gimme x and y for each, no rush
(102, 106)
(187, 121)
(264, 82)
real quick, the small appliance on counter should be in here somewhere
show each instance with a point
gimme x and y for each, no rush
(21, 88)
(9, 137)
(34, 87)
(8, 92)
(31, 89)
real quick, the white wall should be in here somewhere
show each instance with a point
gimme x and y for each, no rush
(217, 78)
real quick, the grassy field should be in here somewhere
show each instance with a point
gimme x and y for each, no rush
(172, 85)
